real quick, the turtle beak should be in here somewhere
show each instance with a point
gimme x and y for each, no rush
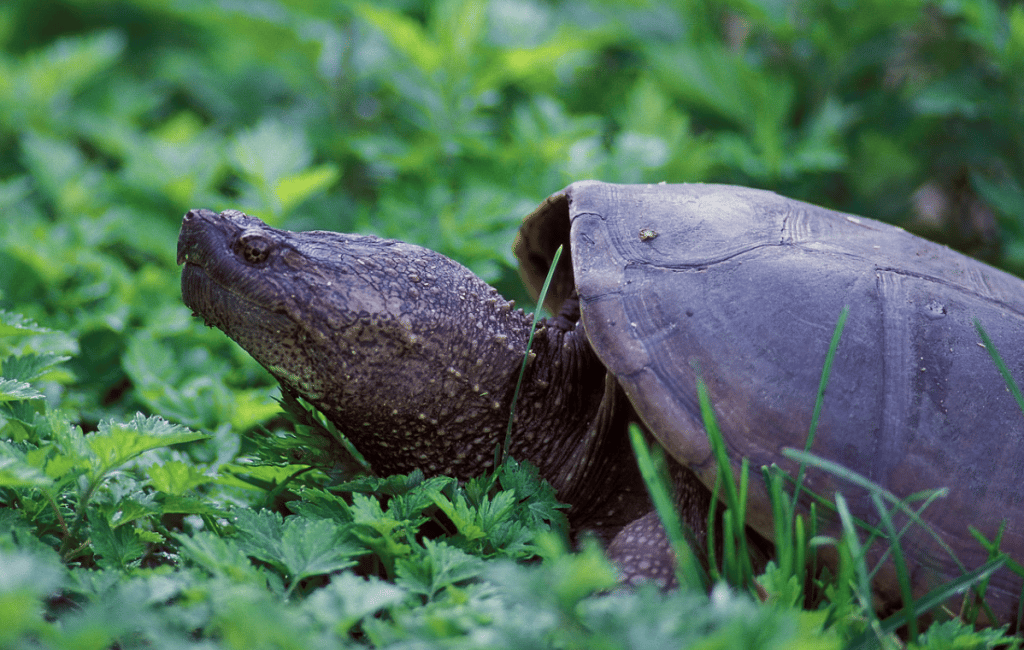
(192, 224)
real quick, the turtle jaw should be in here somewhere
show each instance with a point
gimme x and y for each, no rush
(217, 253)
(230, 293)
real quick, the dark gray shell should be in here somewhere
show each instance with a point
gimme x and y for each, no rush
(747, 286)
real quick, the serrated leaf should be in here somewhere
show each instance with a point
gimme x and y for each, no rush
(218, 556)
(150, 536)
(297, 547)
(117, 548)
(437, 567)
(122, 508)
(117, 443)
(321, 504)
(385, 535)
(537, 494)
(12, 324)
(258, 531)
(367, 512)
(260, 477)
(12, 389)
(465, 518)
(29, 366)
(316, 547)
(395, 484)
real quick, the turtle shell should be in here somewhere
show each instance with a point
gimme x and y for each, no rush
(744, 288)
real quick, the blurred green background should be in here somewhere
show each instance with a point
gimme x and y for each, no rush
(444, 123)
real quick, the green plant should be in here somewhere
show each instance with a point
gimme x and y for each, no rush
(440, 123)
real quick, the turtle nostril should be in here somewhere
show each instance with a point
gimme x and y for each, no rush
(198, 213)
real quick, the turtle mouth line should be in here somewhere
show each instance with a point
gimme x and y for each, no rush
(200, 282)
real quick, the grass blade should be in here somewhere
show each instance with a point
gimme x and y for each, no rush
(929, 601)
(689, 572)
(502, 453)
(856, 479)
(826, 372)
(1003, 370)
(736, 563)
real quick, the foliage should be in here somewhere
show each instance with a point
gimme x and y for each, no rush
(152, 494)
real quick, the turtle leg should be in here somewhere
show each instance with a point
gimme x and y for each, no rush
(641, 549)
(642, 552)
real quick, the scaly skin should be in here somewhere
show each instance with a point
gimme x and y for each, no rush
(415, 359)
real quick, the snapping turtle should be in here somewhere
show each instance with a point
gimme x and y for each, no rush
(415, 358)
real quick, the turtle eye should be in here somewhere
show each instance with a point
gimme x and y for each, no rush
(253, 247)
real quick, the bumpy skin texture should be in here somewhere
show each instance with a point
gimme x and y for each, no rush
(415, 359)
(747, 286)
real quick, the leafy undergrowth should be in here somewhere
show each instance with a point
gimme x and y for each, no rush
(123, 537)
(119, 538)
(437, 122)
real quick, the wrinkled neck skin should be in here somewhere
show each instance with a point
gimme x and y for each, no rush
(412, 356)
(444, 404)
(447, 406)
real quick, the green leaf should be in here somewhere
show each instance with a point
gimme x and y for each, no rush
(465, 518)
(189, 506)
(316, 547)
(219, 557)
(26, 578)
(117, 548)
(12, 389)
(957, 634)
(292, 190)
(66, 64)
(439, 566)
(12, 324)
(28, 367)
(17, 472)
(531, 489)
(383, 533)
(175, 477)
(116, 443)
(405, 35)
(297, 547)
(349, 599)
(321, 504)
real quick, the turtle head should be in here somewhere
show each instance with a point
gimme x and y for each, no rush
(405, 350)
